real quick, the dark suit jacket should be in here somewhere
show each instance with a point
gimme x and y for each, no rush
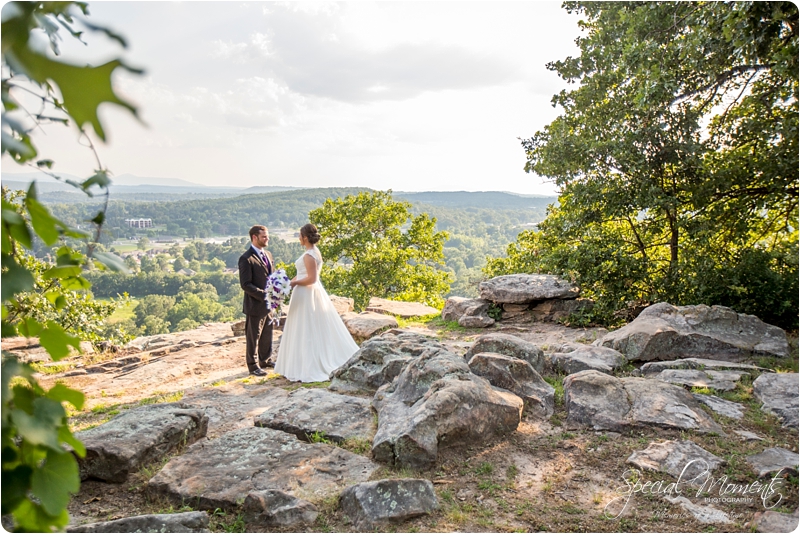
(253, 279)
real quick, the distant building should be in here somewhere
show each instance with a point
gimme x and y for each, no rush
(139, 223)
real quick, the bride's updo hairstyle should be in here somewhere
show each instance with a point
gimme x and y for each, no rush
(311, 233)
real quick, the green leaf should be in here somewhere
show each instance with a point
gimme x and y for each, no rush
(11, 367)
(67, 437)
(62, 393)
(45, 163)
(61, 272)
(29, 327)
(35, 430)
(75, 283)
(45, 225)
(112, 261)
(99, 179)
(14, 279)
(15, 485)
(83, 88)
(55, 480)
(56, 341)
(32, 517)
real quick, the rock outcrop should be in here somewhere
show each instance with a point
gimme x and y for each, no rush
(275, 508)
(667, 332)
(400, 309)
(436, 401)
(221, 473)
(774, 460)
(779, 394)
(370, 505)
(380, 360)
(519, 377)
(604, 402)
(526, 288)
(180, 522)
(365, 325)
(306, 412)
(137, 437)
(684, 460)
(509, 345)
(571, 358)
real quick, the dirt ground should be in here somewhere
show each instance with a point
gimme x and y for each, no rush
(543, 477)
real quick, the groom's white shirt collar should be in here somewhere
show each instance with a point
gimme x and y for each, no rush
(259, 250)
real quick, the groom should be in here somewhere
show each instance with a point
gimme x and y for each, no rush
(255, 266)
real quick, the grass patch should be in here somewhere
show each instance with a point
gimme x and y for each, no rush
(52, 368)
(307, 385)
(218, 383)
(122, 313)
(162, 398)
(318, 437)
(441, 326)
(419, 320)
(356, 445)
(222, 521)
(558, 384)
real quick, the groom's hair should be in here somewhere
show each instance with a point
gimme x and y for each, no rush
(257, 229)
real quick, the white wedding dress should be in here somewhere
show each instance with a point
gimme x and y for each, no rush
(315, 341)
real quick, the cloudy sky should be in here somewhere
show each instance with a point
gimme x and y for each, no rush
(409, 96)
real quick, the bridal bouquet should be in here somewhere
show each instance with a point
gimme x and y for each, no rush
(278, 290)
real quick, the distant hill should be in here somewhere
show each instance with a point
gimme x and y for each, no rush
(477, 199)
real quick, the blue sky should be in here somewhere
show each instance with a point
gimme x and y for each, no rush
(411, 96)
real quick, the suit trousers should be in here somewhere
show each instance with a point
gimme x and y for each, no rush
(258, 334)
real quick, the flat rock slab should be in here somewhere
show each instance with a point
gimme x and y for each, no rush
(774, 460)
(666, 332)
(651, 368)
(718, 380)
(400, 309)
(604, 402)
(308, 411)
(748, 436)
(379, 360)
(220, 473)
(365, 325)
(779, 393)
(508, 345)
(372, 504)
(457, 307)
(182, 522)
(769, 521)
(518, 377)
(734, 410)
(234, 405)
(704, 514)
(342, 304)
(572, 358)
(137, 437)
(685, 460)
(275, 508)
(526, 288)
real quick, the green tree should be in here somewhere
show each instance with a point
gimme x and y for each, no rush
(157, 306)
(190, 252)
(374, 248)
(676, 156)
(143, 243)
(39, 471)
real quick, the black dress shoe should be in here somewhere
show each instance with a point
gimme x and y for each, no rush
(269, 364)
(258, 372)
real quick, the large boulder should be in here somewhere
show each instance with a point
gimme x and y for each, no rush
(653, 368)
(604, 402)
(779, 394)
(435, 402)
(734, 410)
(400, 309)
(181, 522)
(221, 473)
(510, 346)
(342, 305)
(380, 360)
(137, 437)
(526, 288)
(306, 412)
(365, 325)
(370, 505)
(571, 358)
(518, 377)
(456, 307)
(667, 332)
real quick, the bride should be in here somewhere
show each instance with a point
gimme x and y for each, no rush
(315, 341)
